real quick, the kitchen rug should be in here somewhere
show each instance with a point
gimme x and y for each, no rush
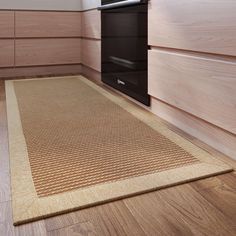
(73, 145)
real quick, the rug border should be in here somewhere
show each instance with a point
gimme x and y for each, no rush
(28, 207)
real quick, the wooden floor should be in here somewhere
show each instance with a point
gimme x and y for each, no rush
(205, 207)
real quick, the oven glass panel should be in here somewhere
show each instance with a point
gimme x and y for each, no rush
(104, 2)
(124, 50)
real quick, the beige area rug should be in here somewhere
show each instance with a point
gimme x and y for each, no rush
(75, 145)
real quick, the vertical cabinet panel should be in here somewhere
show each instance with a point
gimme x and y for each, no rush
(91, 53)
(6, 24)
(47, 51)
(48, 24)
(6, 52)
(209, 134)
(197, 25)
(202, 86)
(91, 24)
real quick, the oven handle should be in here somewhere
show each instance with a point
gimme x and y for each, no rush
(121, 4)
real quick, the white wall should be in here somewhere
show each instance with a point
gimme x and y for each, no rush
(61, 5)
(90, 4)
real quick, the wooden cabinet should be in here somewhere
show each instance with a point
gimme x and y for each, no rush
(6, 24)
(91, 24)
(200, 85)
(30, 24)
(196, 25)
(91, 53)
(45, 51)
(6, 52)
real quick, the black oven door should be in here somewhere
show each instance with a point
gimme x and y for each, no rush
(124, 50)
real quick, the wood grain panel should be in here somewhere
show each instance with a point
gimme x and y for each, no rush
(83, 228)
(116, 215)
(6, 52)
(198, 25)
(178, 211)
(6, 24)
(202, 86)
(91, 74)
(48, 24)
(218, 194)
(31, 52)
(91, 53)
(5, 187)
(51, 70)
(91, 24)
(210, 134)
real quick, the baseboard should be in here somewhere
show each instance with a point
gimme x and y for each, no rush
(213, 136)
(91, 74)
(36, 71)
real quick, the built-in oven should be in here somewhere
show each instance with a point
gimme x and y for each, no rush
(124, 47)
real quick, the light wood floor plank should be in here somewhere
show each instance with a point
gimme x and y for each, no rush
(229, 179)
(155, 217)
(5, 212)
(81, 229)
(7, 229)
(200, 215)
(178, 209)
(109, 219)
(112, 219)
(33, 229)
(219, 194)
(5, 187)
(62, 221)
